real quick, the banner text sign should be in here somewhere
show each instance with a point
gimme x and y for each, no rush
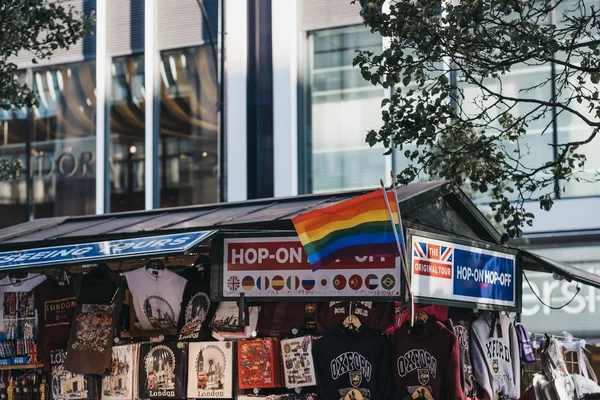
(451, 271)
(99, 251)
(278, 266)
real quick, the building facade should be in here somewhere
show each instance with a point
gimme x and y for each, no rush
(180, 103)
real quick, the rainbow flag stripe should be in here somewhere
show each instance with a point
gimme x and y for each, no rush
(360, 226)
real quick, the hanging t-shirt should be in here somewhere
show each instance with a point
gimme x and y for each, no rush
(460, 321)
(163, 370)
(18, 320)
(196, 308)
(427, 362)
(353, 365)
(285, 319)
(55, 304)
(156, 298)
(495, 355)
(94, 327)
(17, 299)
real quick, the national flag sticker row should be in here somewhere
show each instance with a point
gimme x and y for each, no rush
(278, 266)
(293, 284)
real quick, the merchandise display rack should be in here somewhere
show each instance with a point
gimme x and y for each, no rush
(255, 259)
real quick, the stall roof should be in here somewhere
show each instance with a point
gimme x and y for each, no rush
(532, 261)
(438, 206)
(427, 204)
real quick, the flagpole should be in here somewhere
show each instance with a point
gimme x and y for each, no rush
(402, 258)
(394, 186)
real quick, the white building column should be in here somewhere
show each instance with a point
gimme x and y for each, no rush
(236, 74)
(152, 92)
(102, 120)
(285, 34)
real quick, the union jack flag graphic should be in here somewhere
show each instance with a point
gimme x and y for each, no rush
(233, 283)
(432, 251)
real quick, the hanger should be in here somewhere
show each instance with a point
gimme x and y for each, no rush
(418, 328)
(17, 275)
(351, 323)
(202, 263)
(61, 276)
(154, 266)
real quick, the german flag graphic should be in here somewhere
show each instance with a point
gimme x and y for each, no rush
(248, 283)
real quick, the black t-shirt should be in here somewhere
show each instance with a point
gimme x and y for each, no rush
(94, 325)
(55, 304)
(196, 309)
(352, 365)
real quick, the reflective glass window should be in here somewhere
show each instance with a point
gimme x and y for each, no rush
(188, 127)
(64, 140)
(341, 108)
(126, 118)
(14, 130)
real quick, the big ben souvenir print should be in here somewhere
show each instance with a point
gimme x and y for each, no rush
(162, 370)
(118, 384)
(210, 370)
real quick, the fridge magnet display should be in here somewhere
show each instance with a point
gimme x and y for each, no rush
(67, 385)
(162, 370)
(118, 384)
(210, 370)
(298, 366)
(259, 364)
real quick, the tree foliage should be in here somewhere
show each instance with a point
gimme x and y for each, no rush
(38, 28)
(451, 112)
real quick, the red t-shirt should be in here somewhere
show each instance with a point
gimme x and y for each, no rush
(427, 362)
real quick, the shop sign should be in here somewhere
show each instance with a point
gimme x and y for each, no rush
(454, 272)
(265, 267)
(101, 251)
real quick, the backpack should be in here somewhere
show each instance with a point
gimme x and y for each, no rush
(525, 347)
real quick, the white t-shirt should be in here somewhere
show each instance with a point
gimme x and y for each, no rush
(156, 298)
(21, 306)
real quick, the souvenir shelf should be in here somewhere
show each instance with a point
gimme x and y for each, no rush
(21, 366)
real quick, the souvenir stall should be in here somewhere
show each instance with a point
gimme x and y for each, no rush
(224, 301)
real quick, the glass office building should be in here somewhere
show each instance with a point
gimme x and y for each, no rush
(57, 141)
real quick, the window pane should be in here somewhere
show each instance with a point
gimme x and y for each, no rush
(342, 108)
(63, 142)
(13, 137)
(188, 127)
(126, 159)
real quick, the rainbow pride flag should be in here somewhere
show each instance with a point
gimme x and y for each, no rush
(361, 226)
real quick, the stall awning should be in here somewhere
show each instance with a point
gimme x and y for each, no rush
(160, 245)
(536, 262)
(426, 205)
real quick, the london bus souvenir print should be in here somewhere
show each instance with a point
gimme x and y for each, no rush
(210, 370)
(162, 370)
